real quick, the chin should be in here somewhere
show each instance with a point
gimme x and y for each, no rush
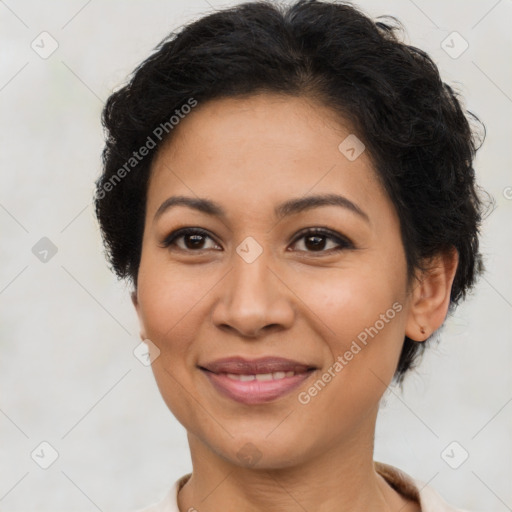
(258, 452)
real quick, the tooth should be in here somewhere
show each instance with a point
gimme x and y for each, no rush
(260, 376)
(264, 376)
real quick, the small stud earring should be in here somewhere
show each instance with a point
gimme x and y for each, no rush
(422, 329)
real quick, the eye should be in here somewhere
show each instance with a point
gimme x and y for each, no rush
(193, 238)
(315, 240)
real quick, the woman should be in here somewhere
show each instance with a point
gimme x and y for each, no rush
(291, 193)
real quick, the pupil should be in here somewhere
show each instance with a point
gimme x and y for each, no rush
(196, 240)
(315, 245)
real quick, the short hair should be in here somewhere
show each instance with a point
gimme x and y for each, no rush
(421, 141)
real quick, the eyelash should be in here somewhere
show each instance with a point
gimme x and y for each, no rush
(343, 242)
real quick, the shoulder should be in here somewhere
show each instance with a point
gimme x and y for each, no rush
(428, 499)
(412, 488)
(169, 503)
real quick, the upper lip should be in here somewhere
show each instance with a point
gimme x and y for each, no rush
(240, 366)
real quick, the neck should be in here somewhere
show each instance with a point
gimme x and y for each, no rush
(341, 478)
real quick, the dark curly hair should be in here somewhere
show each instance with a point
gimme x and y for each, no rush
(421, 141)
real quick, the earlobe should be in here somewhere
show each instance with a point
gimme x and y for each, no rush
(430, 297)
(133, 296)
(136, 305)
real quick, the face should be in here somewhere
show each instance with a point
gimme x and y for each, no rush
(321, 283)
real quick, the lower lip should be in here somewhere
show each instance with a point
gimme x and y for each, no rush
(255, 391)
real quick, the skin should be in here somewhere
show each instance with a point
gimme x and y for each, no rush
(295, 300)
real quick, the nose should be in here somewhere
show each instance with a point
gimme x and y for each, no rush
(253, 299)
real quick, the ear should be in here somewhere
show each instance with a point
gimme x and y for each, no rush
(431, 296)
(135, 302)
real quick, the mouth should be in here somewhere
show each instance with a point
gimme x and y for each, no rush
(256, 381)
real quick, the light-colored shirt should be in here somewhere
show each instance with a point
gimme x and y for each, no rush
(413, 489)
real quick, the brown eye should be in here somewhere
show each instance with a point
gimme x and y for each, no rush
(318, 240)
(315, 241)
(193, 239)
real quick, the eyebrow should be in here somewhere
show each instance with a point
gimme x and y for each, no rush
(290, 207)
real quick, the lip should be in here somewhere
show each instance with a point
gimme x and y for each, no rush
(255, 391)
(270, 364)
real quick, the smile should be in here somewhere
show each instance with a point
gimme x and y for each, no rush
(252, 389)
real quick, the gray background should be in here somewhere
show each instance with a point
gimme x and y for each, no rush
(67, 327)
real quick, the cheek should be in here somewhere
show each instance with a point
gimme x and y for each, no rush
(364, 339)
(170, 304)
(169, 298)
(349, 300)
(361, 315)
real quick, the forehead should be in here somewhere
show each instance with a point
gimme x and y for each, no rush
(260, 150)
(239, 126)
